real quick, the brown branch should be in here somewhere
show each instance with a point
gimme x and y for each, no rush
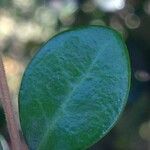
(13, 128)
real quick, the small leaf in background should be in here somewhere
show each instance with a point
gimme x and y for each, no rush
(3, 143)
(74, 89)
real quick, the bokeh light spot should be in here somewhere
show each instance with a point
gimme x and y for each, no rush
(142, 75)
(144, 131)
(110, 5)
(132, 21)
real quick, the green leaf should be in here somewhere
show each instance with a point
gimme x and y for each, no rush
(74, 89)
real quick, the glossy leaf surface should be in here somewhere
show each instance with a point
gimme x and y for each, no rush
(74, 89)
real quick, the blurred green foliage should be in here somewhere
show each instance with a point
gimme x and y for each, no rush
(2, 118)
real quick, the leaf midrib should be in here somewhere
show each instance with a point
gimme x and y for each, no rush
(55, 119)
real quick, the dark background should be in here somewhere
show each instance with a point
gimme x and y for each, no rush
(26, 24)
